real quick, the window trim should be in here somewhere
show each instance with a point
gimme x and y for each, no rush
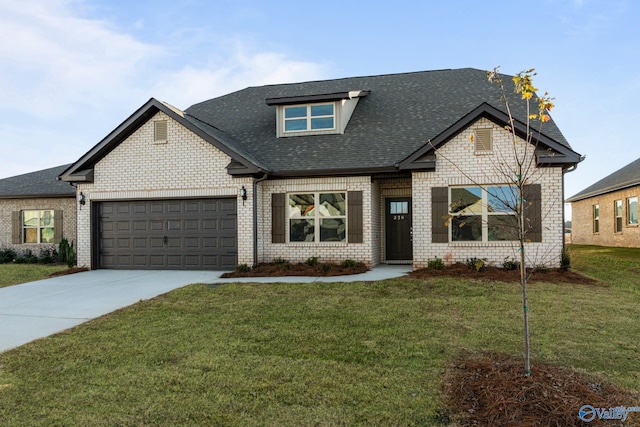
(282, 120)
(596, 218)
(617, 228)
(484, 216)
(38, 227)
(628, 222)
(317, 217)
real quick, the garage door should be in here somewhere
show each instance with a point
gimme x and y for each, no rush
(167, 234)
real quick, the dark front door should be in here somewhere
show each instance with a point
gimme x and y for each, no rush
(191, 234)
(399, 245)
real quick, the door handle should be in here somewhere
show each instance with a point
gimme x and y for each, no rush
(165, 240)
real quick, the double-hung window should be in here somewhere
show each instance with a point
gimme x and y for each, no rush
(632, 211)
(314, 117)
(618, 216)
(483, 214)
(317, 217)
(38, 226)
(596, 218)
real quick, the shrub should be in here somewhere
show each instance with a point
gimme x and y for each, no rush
(478, 264)
(511, 264)
(326, 267)
(435, 264)
(280, 261)
(349, 263)
(565, 260)
(243, 268)
(46, 256)
(312, 261)
(66, 254)
(7, 255)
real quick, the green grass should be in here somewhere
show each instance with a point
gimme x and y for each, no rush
(310, 354)
(13, 274)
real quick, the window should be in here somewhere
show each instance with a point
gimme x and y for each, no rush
(632, 211)
(304, 118)
(38, 226)
(483, 214)
(618, 216)
(596, 218)
(317, 217)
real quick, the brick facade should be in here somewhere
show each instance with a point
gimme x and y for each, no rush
(582, 224)
(457, 164)
(66, 204)
(185, 166)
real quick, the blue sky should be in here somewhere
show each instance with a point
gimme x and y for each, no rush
(72, 70)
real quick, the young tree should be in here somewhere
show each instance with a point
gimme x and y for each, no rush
(517, 168)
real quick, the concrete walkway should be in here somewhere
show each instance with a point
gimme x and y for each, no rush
(38, 309)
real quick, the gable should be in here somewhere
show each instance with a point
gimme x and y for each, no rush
(177, 158)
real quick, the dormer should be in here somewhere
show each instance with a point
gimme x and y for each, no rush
(315, 114)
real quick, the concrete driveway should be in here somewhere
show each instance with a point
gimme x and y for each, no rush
(38, 309)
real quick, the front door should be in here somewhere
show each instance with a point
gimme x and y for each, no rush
(399, 242)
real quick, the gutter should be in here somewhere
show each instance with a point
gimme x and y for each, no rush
(255, 216)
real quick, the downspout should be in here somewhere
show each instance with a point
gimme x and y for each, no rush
(564, 220)
(255, 216)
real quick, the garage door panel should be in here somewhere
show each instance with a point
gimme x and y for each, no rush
(168, 234)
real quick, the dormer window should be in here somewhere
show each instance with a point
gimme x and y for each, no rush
(300, 118)
(318, 114)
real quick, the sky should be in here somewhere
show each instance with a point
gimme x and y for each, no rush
(72, 70)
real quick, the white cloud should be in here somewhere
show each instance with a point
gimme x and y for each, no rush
(190, 84)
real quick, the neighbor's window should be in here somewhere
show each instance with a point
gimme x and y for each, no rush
(483, 214)
(596, 218)
(38, 226)
(317, 217)
(302, 118)
(618, 213)
(632, 211)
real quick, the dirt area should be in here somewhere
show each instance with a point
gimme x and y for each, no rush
(69, 271)
(492, 390)
(492, 274)
(287, 269)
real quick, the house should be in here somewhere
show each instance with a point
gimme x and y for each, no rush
(335, 169)
(36, 211)
(606, 213)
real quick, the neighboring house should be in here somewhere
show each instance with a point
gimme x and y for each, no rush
(606, 213)
(336, 169)
(36, 211)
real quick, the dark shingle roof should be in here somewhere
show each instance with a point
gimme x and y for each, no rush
(42, 183)
(627, 176)
(399, 116)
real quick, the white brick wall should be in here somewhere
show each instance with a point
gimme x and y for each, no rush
(183, 167)
(326, 252)
(484, 169)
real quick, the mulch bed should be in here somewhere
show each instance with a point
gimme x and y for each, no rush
(69, 271)
(492, 390)
(493, 274)
(287, 269)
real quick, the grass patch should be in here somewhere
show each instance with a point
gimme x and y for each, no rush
(13, 274)
(309, 354)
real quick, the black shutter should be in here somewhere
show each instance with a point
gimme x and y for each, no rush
(278, 217)
(533, 212)
(439, 214)
(16, 227)
(354, 216)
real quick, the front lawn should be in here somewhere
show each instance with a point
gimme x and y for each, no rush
(13, 274)
(326, 354)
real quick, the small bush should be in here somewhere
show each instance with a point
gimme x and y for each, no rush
(66, 254)
(7, 255)
(478, 264)
(349, 263)
(280, 261)
(312, 261)
(565, 260)
(435, 264)
(511, 264)
(243, 268)
(326, 268)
